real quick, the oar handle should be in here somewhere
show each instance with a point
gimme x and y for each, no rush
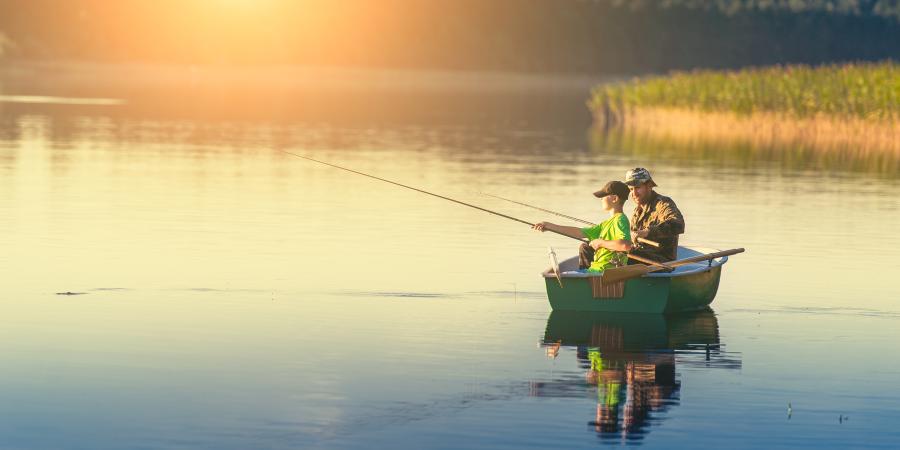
(707, 256)
(698, 258)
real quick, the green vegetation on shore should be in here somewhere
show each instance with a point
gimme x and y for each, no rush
(863, 90)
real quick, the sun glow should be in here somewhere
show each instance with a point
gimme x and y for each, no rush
(263, 31)
(255, 32)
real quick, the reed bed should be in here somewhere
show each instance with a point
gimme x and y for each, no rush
(853, 109)
(865, 90)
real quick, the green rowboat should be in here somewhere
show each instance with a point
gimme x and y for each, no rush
(689, 287)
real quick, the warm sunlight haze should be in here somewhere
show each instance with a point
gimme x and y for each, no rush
(468, 224)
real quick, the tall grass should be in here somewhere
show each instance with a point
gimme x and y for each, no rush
(868, 91)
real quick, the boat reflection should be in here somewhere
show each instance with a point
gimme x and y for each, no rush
(629, 363)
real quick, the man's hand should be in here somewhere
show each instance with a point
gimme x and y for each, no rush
(596, 244)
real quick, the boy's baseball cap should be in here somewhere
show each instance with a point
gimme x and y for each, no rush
(613, 187)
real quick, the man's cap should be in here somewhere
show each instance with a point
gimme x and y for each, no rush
(638, 176)
(613, 187)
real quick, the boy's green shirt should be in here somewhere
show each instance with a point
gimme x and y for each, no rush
(613, 229)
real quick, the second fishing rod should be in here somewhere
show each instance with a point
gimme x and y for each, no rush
(635, 257)
(642, 240)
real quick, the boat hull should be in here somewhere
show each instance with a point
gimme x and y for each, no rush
(693, 292)
(689, 289)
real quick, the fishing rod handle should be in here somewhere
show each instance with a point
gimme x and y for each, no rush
(648, 242)
(649, 261)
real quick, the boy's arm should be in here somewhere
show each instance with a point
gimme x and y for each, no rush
(574, 232)
(618, 245)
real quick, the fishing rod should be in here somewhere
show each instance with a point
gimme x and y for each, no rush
(635, 257)
(541, 209)
(645, 241)
(424, 192)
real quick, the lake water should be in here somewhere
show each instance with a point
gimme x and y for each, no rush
(232, 296)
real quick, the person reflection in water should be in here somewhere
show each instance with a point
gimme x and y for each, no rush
(627, 363)
(629, 389)
(608, 380)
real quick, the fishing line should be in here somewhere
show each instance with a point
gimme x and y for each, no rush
(423, 191)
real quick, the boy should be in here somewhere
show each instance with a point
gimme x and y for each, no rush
(610, 240)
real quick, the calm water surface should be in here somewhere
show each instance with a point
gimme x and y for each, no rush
(232, 296)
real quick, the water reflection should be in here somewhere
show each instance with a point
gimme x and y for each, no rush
(738, 153)
(629, 363)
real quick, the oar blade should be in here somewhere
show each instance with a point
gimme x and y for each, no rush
(617, 274)
(554, 263)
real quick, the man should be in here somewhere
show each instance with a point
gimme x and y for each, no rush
(655, 217)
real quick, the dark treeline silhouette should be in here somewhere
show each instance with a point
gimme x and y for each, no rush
(585, 36)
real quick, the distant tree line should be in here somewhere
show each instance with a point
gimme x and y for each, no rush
(583, 36)
(883, 8)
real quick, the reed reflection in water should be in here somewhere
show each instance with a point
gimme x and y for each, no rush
(729, 153)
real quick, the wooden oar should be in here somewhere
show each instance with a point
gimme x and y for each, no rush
(641, 240)
(554, 264)
(617, 274)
